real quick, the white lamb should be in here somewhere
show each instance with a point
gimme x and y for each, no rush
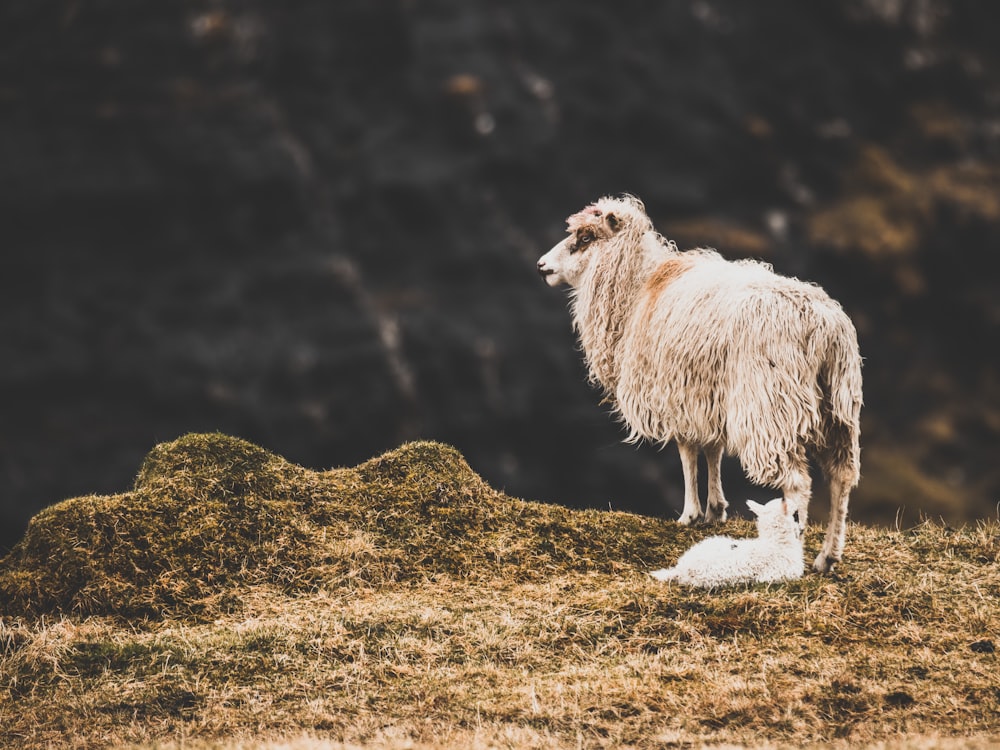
(720, 356)
(775, 555)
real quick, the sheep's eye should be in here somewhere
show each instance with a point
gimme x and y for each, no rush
(582, 240)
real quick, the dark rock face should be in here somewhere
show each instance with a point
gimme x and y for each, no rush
(314, 225)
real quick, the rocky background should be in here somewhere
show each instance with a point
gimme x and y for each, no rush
(314, 225)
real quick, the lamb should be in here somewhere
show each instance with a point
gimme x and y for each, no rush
(775, 555)
(720, 356)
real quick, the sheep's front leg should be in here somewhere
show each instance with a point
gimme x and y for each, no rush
(715, 510)
(689, 463)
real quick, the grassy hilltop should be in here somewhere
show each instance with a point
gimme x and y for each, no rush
(233, 599)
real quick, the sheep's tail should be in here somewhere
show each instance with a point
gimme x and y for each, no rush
(840, 381)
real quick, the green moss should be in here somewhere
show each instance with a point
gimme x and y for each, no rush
(213, 466)
(207, 512)
(211, 515)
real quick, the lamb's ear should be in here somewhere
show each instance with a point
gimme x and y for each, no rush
(612, 221)
(755, 508)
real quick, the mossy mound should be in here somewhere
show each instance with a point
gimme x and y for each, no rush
(211, 515)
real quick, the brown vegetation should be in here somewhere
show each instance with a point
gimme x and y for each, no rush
(886, 208)
(233, 599)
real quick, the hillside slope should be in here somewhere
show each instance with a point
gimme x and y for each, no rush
(232, 597)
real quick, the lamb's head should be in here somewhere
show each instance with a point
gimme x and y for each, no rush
(592, 231)
(778, 520)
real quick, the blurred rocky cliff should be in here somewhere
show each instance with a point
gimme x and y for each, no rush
(314, 225)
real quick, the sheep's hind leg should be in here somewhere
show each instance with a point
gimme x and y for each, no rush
(841, 467)
(833, 544)
(715, 510)
(689, 463)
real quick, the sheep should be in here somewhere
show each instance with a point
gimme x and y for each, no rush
(775, 555)
(719, 356)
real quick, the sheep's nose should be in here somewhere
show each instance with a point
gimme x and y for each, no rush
(543, 271)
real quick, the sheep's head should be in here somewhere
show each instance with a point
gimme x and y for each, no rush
(589, 230)
(777, 519)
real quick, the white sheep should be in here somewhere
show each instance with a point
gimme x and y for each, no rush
(775, 555)
(720, 356)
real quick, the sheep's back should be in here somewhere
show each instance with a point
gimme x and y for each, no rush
(723, 353)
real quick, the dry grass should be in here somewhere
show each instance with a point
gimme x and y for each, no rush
(405, 603)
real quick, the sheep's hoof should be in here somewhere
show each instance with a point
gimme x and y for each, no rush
(715, 516)
(689, 519)
(824, 563)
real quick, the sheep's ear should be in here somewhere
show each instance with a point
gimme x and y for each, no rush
(755, 508)
(612, 221)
